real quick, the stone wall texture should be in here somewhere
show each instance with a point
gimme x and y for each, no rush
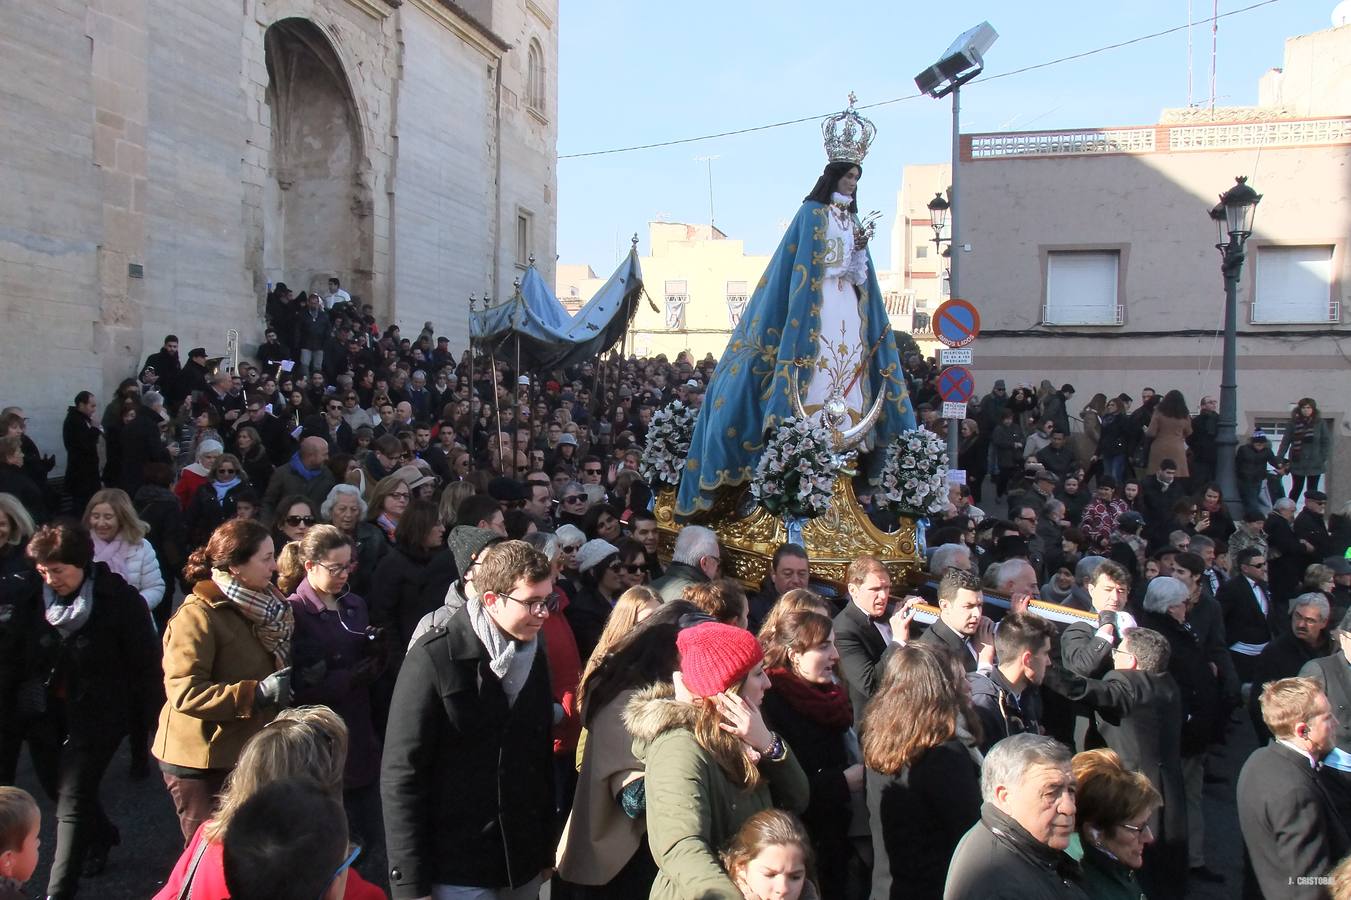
(163, 161)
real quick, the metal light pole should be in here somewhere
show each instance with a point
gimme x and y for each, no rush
(954, 248)
(1233, 218)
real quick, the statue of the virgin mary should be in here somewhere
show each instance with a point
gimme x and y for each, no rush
(816, 323)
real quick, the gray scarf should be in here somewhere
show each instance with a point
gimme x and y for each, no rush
(69, 616)
(509, 659)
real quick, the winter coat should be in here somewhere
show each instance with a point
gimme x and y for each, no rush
(1198, 687)
(287, 481)
(467, 780)
(14, 481)
(917, 817)
(998, 860)
(1313, 452)
(81, 438)
(396, 599)
(144, 573)
(1170, 442)
(158, 508)
(206, 513)
(1005, 438)
(679, 575)
(312, 329)
(212, 666)
(587, 614)
(1113, 439)
(693, 808)
(87, 685)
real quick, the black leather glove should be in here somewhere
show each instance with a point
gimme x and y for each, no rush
(274, 690)
(311, 675)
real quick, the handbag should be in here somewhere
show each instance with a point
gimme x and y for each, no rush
(30, 701)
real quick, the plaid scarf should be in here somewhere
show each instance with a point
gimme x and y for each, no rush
(268, 613)
(1300, 430)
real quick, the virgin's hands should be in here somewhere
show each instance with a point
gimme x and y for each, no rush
(743, 720)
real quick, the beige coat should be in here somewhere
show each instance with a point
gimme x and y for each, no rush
(600, 838)
(1170, 442)
(212, 666)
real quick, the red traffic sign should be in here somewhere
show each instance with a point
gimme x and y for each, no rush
(956, 384)
(956, 323)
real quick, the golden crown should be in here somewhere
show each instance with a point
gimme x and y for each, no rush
(847, 135)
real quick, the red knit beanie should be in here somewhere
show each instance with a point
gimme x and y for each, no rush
(714, 657)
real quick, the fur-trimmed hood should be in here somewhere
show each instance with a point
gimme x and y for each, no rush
(653, 711)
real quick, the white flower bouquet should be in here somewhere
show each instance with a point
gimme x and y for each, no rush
(914, 477)
(796, 474)
(668, 443)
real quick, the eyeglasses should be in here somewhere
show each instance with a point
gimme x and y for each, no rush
(1138, 830)
(573, 548)
(295, 521)
(536, 607)
(343, 867)
(523, 469)
(337, 569)
(628, 568)
(333, 406)
(1253, 565)
(591, 471)
(574, 498)
(224, 471)
(1032, 520)
(399, 495)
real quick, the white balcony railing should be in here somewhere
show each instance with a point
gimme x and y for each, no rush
(1162, 138)
(1083, 315)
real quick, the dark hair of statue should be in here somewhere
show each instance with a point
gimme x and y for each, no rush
(825, 185)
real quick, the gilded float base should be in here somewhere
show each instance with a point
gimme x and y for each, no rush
(832, 541)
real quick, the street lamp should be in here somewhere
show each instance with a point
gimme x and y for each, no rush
(1233, 218)
(938, 220)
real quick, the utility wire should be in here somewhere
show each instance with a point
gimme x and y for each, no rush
(915, 96)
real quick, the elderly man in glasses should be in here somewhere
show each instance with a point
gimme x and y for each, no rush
(486, 757)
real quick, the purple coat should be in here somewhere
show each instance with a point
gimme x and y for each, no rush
(338, 640)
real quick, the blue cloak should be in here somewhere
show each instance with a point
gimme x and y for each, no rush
(748, 394)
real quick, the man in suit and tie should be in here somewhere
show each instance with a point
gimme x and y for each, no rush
(1248, 612)
(961, 630)
(1289, 823)
(867, 627)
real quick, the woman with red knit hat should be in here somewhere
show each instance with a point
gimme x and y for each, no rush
(711, 761)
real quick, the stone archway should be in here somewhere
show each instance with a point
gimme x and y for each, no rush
(317, 200)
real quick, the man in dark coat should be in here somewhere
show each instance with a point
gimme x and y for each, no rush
(788, 570)
(141, 444)
(1287, 554)
(1250, 612)
(1139, 713)
(1205, 430)
(168, 370)
(1312, 528)
(193, 379)
(1007, 697)
(467, 779)
(867, 627)
(81, 434)
(1288, 653)
(1017, 849)
(961, 630)
(331, 426)
(1289, 822)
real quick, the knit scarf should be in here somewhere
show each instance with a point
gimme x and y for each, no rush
(68, 614)
(509, 659)
(268, 613)
(1300, 429)
(112, 553)
(827, 705)
(299, 468)
(223, 487)
(387, 525)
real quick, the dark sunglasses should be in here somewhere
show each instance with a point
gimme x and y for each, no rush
(574, 498)
(293, 521)
(629, 568)
(226, 471)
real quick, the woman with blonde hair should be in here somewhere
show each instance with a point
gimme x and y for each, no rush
(336, 661)
(308, 741)
(119, 541)
(1114, 809)
(923, 783)
(711, 762)
(16, 527)
(771, 858)
(455, 493)
(632, 607)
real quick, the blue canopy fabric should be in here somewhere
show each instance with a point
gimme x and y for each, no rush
(549, 337)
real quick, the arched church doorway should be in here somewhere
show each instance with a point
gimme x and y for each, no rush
(317, 220)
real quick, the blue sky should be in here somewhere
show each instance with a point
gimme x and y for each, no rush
(649, 72)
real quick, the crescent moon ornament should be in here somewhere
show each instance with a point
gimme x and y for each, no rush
(834, 412)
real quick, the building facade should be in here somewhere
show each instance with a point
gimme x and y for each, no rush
(919, 267)
(165, 161)
(1093, 257)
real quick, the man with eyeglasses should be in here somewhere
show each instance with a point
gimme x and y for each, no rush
(467, 779)
(593, 471)
(1249, 612)
(1139, 713)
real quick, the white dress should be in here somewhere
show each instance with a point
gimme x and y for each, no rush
(838, 366)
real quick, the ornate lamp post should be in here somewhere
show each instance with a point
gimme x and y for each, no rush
(1233, 218)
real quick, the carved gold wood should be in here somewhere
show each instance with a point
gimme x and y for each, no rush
(832, 540)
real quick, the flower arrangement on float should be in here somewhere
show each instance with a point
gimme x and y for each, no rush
(796, 474)
(914, 477)
(668, 444)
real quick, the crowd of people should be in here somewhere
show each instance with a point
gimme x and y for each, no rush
(392, 622)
